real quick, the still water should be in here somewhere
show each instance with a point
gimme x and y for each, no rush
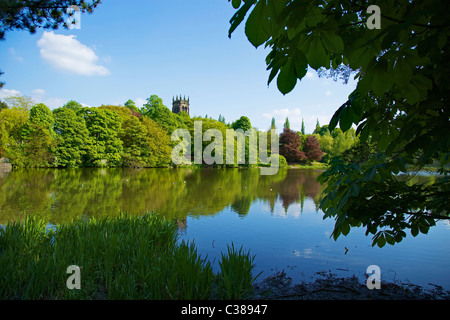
(275, 217)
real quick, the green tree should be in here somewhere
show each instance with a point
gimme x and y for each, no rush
(123, 112)
(153, 102)
(158, 150)
(342, 141)
(133, 137)
(272, 125)
(12, 122)
(3, 105)
(158, 112)
(303, 127)
(131, 105)
(207, 124)
(242, 123)
(326, 144)
(287, 124)
(400, 101)
(73, 141)
(104, 128)
(20, 102)
(41, 115)
(323, 130)
(39, 146)
(317, 126)
(39, 138)
(145, 143)
(73, 105)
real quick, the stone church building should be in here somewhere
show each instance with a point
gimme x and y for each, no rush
(180, 104)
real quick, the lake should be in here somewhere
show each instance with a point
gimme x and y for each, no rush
(275, 217)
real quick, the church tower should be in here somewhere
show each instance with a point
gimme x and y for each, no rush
(180, 104)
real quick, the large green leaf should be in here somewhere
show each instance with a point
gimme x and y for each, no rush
(287, 78)
(301, 64)
(335, 119)
(257, 25)
(346, 119)
(332, 42)
(412, 95)
(239, 16)
(381, 240)
(317, 57)
(383, 140)
(382, 81)
(236, 3)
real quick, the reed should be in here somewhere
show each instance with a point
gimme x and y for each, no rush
(126, 257)
(235, 278)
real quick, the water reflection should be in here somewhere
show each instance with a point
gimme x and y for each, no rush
(62, 195)
(277, 217)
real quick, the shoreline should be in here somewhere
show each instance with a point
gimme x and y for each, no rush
(329, 286)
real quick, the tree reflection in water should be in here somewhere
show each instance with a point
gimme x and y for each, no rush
(66, 194)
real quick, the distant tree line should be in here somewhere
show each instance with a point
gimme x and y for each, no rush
(32, 135)
(321, 145)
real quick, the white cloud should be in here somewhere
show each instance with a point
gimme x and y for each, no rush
(54, 103)
(139, 102)
(328, 93)
(67, 54)
(8, 92)
(37, 95)
(38, 92)
(41, 96)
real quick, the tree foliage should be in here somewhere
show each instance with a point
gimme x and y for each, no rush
(400, 101)
(290, 143)
(104, 128)
(158, 112)
(3, 105)
(312, 149)
(145, 143)
(20, 102)
(109, 135)
(73, 105)
(12, 122)
(74, 144)
(31, 14)
(242, 123)
(38, 137)
(287, 124)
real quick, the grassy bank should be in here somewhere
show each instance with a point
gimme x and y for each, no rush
(312, 165)
(128, 257)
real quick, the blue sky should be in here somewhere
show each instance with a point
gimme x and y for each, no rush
(133, 49)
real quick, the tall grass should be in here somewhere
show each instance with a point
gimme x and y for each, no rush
(127, 257)
(235, 278)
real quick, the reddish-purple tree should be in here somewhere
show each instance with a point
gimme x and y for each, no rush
(312, 149)
(290, 142)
